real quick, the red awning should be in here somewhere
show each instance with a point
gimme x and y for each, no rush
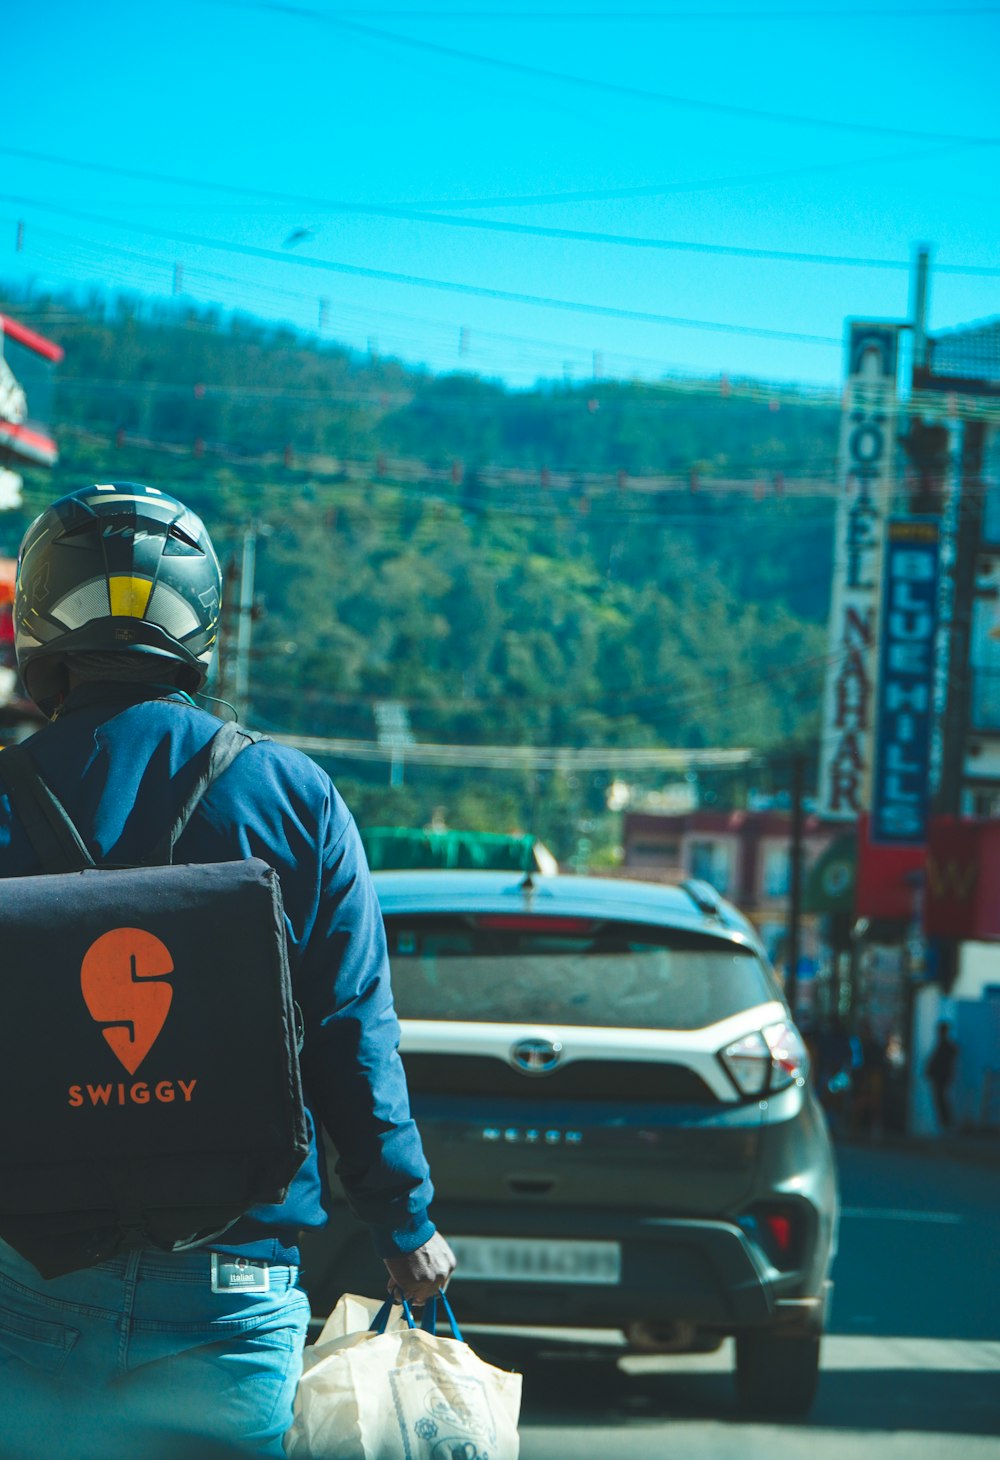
(24, 444)
(30, 339)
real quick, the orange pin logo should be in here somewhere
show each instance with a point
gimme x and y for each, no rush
(122, 977)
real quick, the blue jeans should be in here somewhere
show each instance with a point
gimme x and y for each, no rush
(139, 1357)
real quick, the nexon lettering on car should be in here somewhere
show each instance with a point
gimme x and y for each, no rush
(617, 1107)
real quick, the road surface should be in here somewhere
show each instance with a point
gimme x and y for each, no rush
(911, 1364)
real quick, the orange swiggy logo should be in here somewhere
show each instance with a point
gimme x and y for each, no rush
(124, 978)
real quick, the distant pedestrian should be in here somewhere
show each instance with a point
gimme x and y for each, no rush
(940, 1072)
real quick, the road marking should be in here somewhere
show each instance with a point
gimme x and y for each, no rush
(903, 1214)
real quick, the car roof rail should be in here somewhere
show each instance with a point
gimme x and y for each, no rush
(703, 895)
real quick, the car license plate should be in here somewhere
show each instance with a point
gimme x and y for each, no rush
(536, 1260)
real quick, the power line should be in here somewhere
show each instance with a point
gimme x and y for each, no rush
(518, 757)
(650, 190)
(775, 395)
(862, 13)
(620, 88)
(578, 235)
(432, 214)
(419, 481)
(712, 184)
(562, 349)
(655, 399)
(480, 291)
(575, 401)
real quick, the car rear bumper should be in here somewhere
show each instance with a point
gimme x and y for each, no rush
(705, 1272)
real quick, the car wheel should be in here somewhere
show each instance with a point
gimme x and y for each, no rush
(777, 1374)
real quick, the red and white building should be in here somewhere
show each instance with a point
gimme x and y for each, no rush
(27, 363)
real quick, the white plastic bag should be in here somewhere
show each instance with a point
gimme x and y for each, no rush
(399, 1394)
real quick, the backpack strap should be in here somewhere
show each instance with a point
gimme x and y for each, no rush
(50, 828)
(57, 843)
(223, 749)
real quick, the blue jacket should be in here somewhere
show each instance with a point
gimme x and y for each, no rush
(122, 761)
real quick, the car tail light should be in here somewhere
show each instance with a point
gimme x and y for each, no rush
(748, 1061)
(524, 923)
(790, 1061)
(766, 1060)
(778, 1231)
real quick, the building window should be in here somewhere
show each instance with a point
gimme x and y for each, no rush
(710, 863)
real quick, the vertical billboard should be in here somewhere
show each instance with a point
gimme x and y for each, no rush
(865, 474)
(905, 723)
(984, 646)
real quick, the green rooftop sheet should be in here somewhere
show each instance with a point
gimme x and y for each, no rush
(400, 848)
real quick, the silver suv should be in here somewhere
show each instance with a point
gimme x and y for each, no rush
(618, 1116)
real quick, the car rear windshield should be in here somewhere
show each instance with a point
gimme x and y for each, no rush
(570, 971)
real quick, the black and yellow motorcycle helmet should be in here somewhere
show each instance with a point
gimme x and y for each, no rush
(115, 568)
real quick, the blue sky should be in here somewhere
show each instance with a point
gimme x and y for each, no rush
(693, 130)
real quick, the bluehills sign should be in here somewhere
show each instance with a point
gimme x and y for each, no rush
(900, 785)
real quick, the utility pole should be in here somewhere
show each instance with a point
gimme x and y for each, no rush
(792, 938)
(392, 720)
(244, 623)
(921, 278)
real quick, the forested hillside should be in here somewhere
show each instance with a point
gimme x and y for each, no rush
(619, 564)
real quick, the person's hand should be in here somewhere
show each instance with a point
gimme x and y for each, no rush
(419, 1275)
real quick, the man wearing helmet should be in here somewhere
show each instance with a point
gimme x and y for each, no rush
(116, 616)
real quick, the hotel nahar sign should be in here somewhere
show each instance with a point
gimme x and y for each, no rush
(867, 449)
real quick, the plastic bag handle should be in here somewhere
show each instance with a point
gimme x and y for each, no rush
(381, 1319)
(429, 1324)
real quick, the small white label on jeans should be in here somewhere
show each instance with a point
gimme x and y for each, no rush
(231, 1273)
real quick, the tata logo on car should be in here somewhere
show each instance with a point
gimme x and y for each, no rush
(536, 1056)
